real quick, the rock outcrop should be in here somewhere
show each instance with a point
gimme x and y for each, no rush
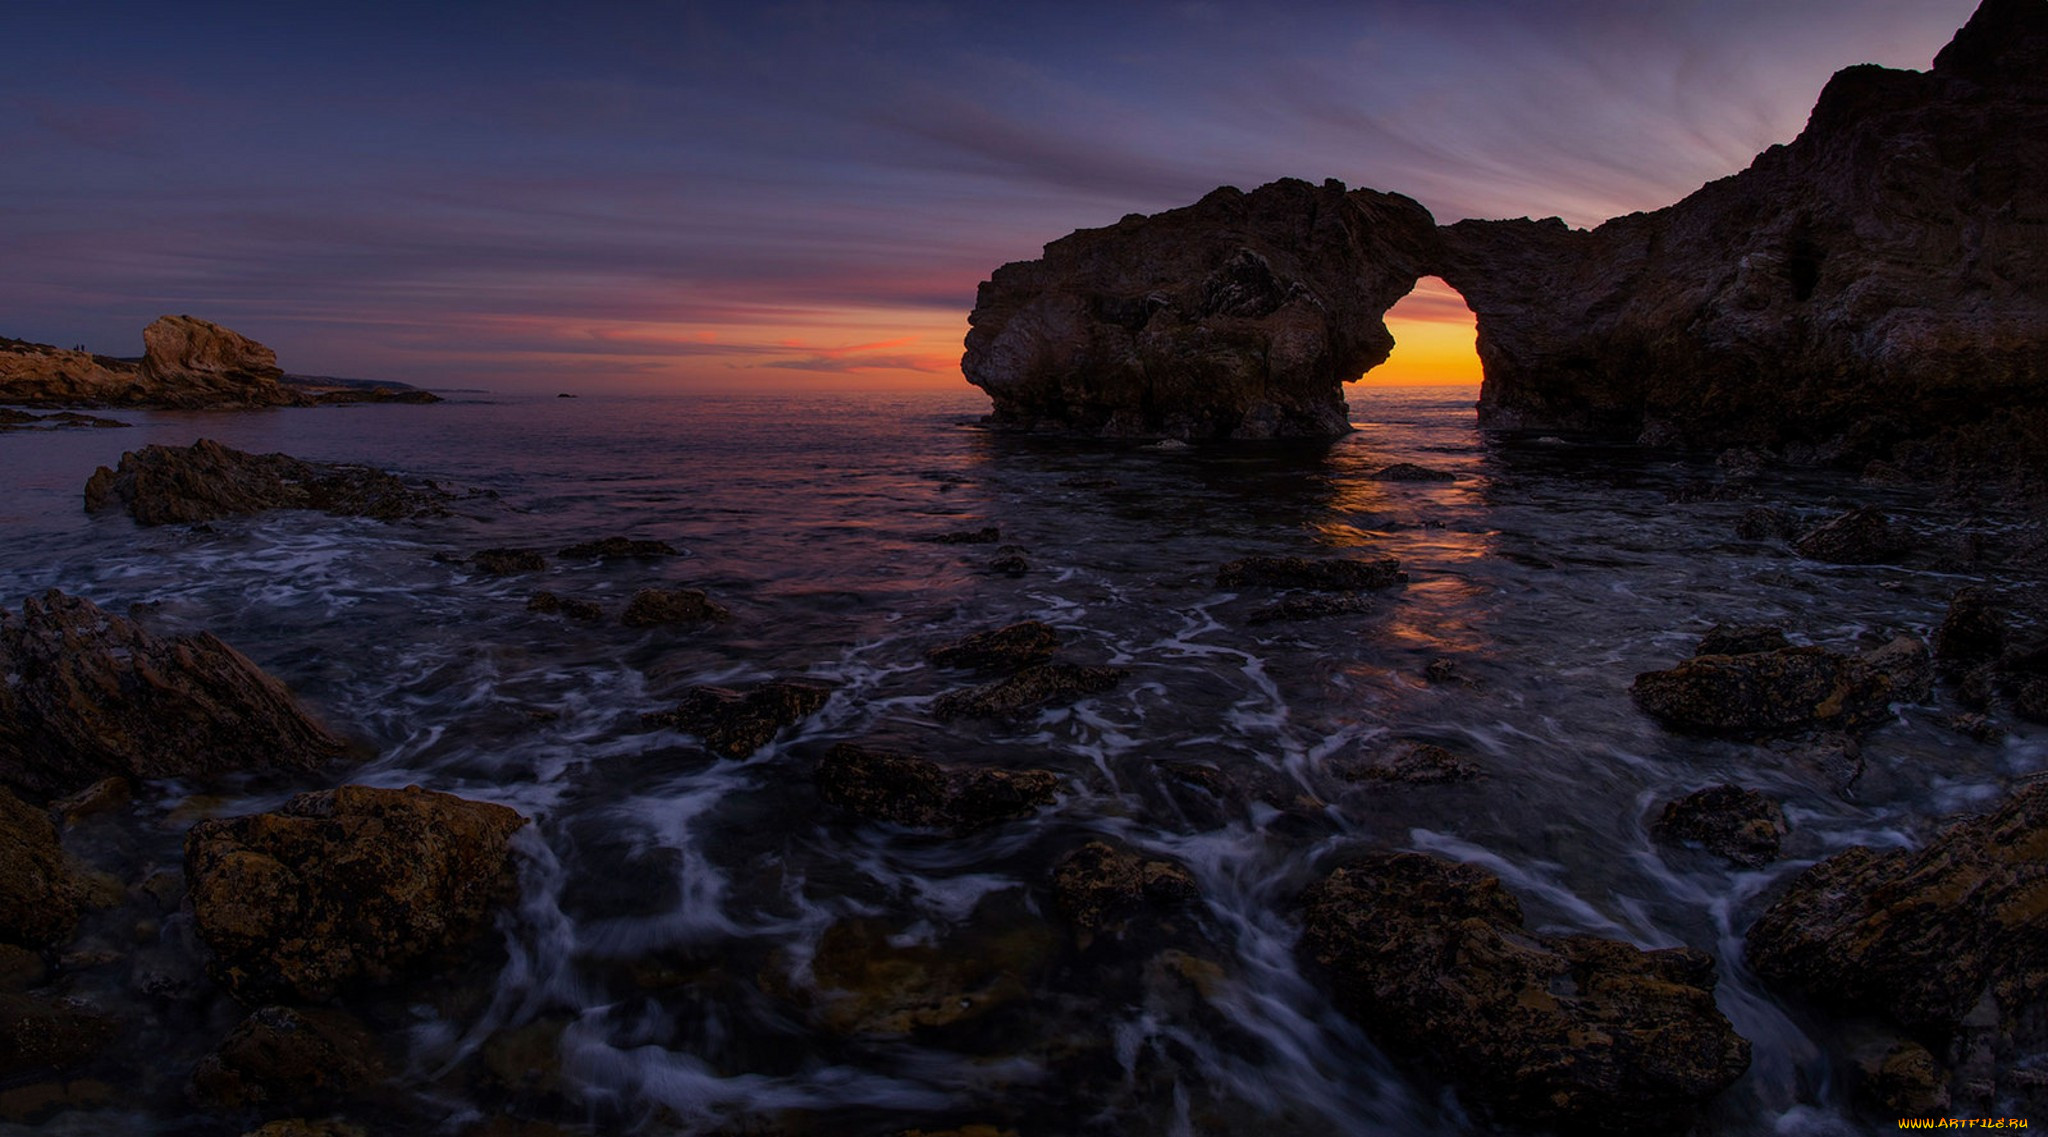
(345, 886)
(1431, 957)
(1770, 693)
(92, 694)
(209, 364)
(162, 485)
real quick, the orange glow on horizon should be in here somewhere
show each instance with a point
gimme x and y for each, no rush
(1434, 334)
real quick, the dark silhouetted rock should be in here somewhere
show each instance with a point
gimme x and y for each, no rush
(987, 535)
(1007, 648)
(736, 724)
(1905, 1080)
(1793, 689)
(1862, 536)
(1972, 631)
(549, 603)
(1741, 825)
(39, 897)
(1099, 885)
(1036, 686)
(49, 1034)
(1415, 763)
(349, 885)
(92, 694)
(1410, 472)
(104, 796)
(918, 793)
(1322, 606)
(1328, 574)
(619, 548)
(1432, 958)
(1762, 523)
(289, 1054)
(1009, 564)
(1731, 639)
(162, 485)
(505, 562)
(652, 607)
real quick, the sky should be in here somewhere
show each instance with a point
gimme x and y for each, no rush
(652, 196)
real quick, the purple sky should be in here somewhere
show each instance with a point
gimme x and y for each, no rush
(626, 196)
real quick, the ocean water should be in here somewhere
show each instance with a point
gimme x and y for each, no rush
(679, 959)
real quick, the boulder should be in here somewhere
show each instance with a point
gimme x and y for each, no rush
(346, 886)
(162, 485)
(1240, 316)
(1008, 648)
(1432, 958)
(736, 724)
(93, 694)
(918, 793)
(1027, 690)
(1326, 574)
(1099, 885)
(210, 365)
(39, 897)
(281, 1055)
(618, 548)
(1742, 825)
(1794, 689)
(1862, 536)
(657, 607)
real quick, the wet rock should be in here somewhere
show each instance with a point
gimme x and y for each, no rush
(302, 1127)
(1433, 959)
(1410, 472)
(549, 603)
(1972, 631)
(1099, 885)
(918, 793)
(355, 884)
(1012, 565)
(92, 694)
(1980, 728)
(287, 1055)
(505, 562)
(49, 1034)
(162, 485)
(1862, 536)
(1922, 936)
(104, 796)
(736, 724)
(1035, 686)
(40, 898)
(654, 607)
(1440, 672)
(1905, 1080)
(1739, 824)
(987, 535)
(1762, 694)
(1328, 574)
(1007, 648)
(1318, 606)
(1747, 639)
(618, 548)
(1762, 523)
(875, 983)
(1413, 763)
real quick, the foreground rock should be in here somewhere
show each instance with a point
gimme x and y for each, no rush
(1794, 689)
(1431, 957)
(1742, 825)
(39, 898)
(736, 724)
(345, 886)
(1009, 648)
(1240, 316)
(289, 1054)
(1099, 886)
(1327, 574)
(92, 694)
(918, 793)
(161, 485)
(1036, 686)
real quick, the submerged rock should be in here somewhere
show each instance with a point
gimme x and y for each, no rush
(1747, 639)
(548, 603)
(1741, 825)
(1792, 689)
(1410, 472)
(1862, 536)
(1432, 958)
(1414, 763)
(92, 694)
(289, 1054)
(1100, 885)
(344, 886)
(654, 607)
(1029, 689)
(876, 982)
(505, 562)
(1008, 648)
(918, 793)
(1762, 523)
(987, 535)
(1328, 574)
(618, 548)
(39, 897)
(736, 724)
(1322, 606)
(162, 485)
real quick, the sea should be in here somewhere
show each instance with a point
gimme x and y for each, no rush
(702, 945)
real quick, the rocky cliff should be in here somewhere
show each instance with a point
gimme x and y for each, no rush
(1879, 281)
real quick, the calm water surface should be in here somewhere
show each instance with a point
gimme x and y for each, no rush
(686, 921)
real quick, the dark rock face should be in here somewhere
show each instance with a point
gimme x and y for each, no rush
(1741, 825)
(1328, 574)
(1007, 648)
(736, 724)
(1431, 957)
(1793, 689)
(289, 1054)
(1862, 536)
(1410, 472)
(1240, 316)
(1099, 884)
(918, 793)
(1924, 936)
(162, 485)
(1027, 690)
(653, 607)
(343, 886)
(39, 899)
(987, 535)
(1972, 631)
(98, 695)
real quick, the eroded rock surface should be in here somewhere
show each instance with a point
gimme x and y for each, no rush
(94, 694)
(187, 364)
(1740, 824)
(735, 723)
(161, 485)
(1039, 685)
(1099, 885)
(39, 899)
(918, 793)
(355, 884)
(1793, 689)
(1432, 958)
(1007, 648)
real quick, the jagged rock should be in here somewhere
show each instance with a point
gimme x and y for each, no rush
(987, 535)
(736, 724)
(93, 694)
(653, 607)
(1313, 607)
(289, 1054)
(1923, 936)
(184, 352)
(549, 603)
(1746, 639)
(39, 897)
(1762, 694)
(355, 884)
(618, 548)
(1027, 690)
(918, 793)
(1741, 825)
(1328, 574)
(1415, 763)
(1410, 472)
(1007, 648)
(505, 562)
(1432, 958)
(162, 485)
(187, 364)
(1972, 631)
(1862, 536)
(1099, 885)
(1240, 316)
(49, 1034)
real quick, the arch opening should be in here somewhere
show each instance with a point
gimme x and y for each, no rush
(1435, 340)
